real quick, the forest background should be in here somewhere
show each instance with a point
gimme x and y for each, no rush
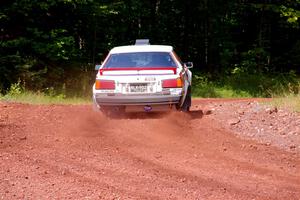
(240, 48)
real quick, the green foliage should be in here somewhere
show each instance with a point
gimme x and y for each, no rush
(17, 93)
(243, 84)
(291, 14)
(41, 98)
(289, 10)
(252, 61)
(43, 42)
(15, 89)
(202, 87)
(59, 46)
(215, 88)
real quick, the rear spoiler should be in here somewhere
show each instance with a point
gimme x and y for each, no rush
(139, 69)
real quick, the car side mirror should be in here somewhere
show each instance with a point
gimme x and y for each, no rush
(97, 67)
(189, 65)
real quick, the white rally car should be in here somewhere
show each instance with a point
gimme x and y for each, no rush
(142, 77)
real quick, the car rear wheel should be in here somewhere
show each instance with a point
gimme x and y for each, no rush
(187, 101)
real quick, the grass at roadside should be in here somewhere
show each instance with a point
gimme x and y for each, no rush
(291, 102)
(283, 88)
(40, 98)
(245, 85)
(212, 90)
(17, 93)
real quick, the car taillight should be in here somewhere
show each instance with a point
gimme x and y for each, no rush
(104, 85)
(172, 83)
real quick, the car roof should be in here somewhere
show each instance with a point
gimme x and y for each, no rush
(141, 48)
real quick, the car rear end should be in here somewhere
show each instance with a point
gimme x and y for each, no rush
(139, 79)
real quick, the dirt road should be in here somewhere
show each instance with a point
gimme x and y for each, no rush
(71, 152)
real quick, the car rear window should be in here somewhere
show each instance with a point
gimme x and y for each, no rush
(140, 60)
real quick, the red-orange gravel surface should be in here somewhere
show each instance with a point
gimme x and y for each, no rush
(72, 152)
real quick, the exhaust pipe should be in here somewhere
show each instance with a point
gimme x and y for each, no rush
(147, 108)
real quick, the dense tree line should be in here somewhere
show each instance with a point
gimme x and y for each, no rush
(47, 40)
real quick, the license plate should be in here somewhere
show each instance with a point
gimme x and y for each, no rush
(138, 88)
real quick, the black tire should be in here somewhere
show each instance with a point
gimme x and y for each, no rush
(187, 101)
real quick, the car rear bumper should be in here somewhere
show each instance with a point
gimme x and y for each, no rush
(136, 99)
